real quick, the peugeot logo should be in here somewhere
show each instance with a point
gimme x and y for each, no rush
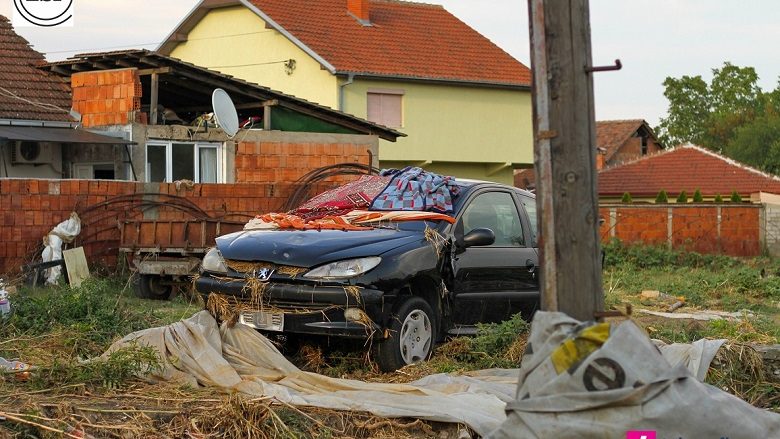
(264, 274)
(46, 13)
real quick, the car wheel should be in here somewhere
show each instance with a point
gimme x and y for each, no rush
(412, 336)
(149, 286)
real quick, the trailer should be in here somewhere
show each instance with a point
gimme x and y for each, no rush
(165, 254)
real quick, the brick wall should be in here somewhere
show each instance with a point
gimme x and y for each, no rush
(29, 209)
(107, 97)
(706, 228)
(268, 162)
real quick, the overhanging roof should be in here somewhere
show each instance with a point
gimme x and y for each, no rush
(58, 135)
(190, 86)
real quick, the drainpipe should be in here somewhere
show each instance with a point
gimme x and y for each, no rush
(350, 80)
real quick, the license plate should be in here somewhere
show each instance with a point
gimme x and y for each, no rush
(267, 321)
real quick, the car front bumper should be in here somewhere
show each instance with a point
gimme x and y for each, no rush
(304, 308)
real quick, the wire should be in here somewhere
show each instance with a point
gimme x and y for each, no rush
(44, 105)
(154, 43)
(248, 65)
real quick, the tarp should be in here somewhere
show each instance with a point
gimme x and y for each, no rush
(198, 352)
(585, 380)
(64, 232)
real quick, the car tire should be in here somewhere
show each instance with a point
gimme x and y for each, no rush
(149, 286)
(412, 336)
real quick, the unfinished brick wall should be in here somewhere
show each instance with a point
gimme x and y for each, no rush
(735, 230)
(268, 162)
(106, 97)
(31, 208)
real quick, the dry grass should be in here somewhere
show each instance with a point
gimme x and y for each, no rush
(164, 411)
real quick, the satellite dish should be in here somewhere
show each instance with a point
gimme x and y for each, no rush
(225, 112)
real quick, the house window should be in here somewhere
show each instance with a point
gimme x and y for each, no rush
(172, 161)
(644, 145)
(385, 107)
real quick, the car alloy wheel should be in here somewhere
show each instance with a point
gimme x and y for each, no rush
(416, 337)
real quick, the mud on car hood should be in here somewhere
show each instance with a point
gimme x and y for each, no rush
(310, 248)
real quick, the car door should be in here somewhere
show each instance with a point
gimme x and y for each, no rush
(490, 283)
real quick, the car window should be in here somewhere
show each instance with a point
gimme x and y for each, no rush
(530, 208)
(495, 211)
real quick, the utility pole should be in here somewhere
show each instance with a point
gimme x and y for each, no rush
(564, 151)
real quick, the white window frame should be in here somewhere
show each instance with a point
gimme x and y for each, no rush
(169, 158)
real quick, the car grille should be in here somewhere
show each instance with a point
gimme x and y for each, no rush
(249, 267)
(284, 305)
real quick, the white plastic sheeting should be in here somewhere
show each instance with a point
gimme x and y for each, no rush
(196, 351)
(65, 231)
(652, 394)
(579, 381)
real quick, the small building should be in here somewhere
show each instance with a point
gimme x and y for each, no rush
(38, 132)
(464, 102)
(617, 141)
(685, 168)
(163, 106)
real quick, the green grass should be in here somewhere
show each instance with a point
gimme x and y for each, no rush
(706, 282)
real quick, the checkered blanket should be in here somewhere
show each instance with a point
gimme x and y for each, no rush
(416, 189)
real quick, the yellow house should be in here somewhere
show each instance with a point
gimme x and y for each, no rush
(464, 103)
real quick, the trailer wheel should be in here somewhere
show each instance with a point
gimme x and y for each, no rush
(149, 286)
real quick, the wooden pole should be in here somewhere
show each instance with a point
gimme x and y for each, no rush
(155, 86)
(564, 151)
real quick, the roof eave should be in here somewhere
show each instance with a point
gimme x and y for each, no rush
(476, 83)
(200, 10)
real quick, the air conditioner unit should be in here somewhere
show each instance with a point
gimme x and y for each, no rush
(32, 153)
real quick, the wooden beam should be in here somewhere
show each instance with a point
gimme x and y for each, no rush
(61, 70)
(564, 146)
(267, 117)
(158, 70)
(154, 97)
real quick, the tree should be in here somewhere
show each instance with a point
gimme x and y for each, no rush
(710, 114)
(735, 197)
(697, 198)
(626, 198)
(718, 198)
(662, 197)
(683, 197)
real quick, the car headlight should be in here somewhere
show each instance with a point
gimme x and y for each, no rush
(213, 262)
(344, 269)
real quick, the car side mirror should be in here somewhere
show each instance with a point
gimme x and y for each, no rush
(478, 237)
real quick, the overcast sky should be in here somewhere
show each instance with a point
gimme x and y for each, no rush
(653, 38)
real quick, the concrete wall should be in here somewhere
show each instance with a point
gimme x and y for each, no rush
(51, 169)
(252, 52)
(738, 230)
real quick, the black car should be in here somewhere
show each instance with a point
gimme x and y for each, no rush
(404, 285)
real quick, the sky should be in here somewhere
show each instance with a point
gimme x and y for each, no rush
(654, 39)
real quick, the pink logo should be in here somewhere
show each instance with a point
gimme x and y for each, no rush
(640, 435)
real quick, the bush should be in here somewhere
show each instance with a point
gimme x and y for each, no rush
(91, 313)
(643, 256)
(718, 198)
(626, 198)
(697, 198)
(662, 197)
(683, 197)
(735, 198)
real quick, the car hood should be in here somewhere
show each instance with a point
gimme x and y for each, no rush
(309, 248)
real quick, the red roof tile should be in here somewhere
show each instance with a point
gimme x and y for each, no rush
(36, 91)
(685, 168)
(612, 134)
(405, 39)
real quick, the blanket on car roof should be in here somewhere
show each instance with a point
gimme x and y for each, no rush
(413, 188)
(354, 195)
